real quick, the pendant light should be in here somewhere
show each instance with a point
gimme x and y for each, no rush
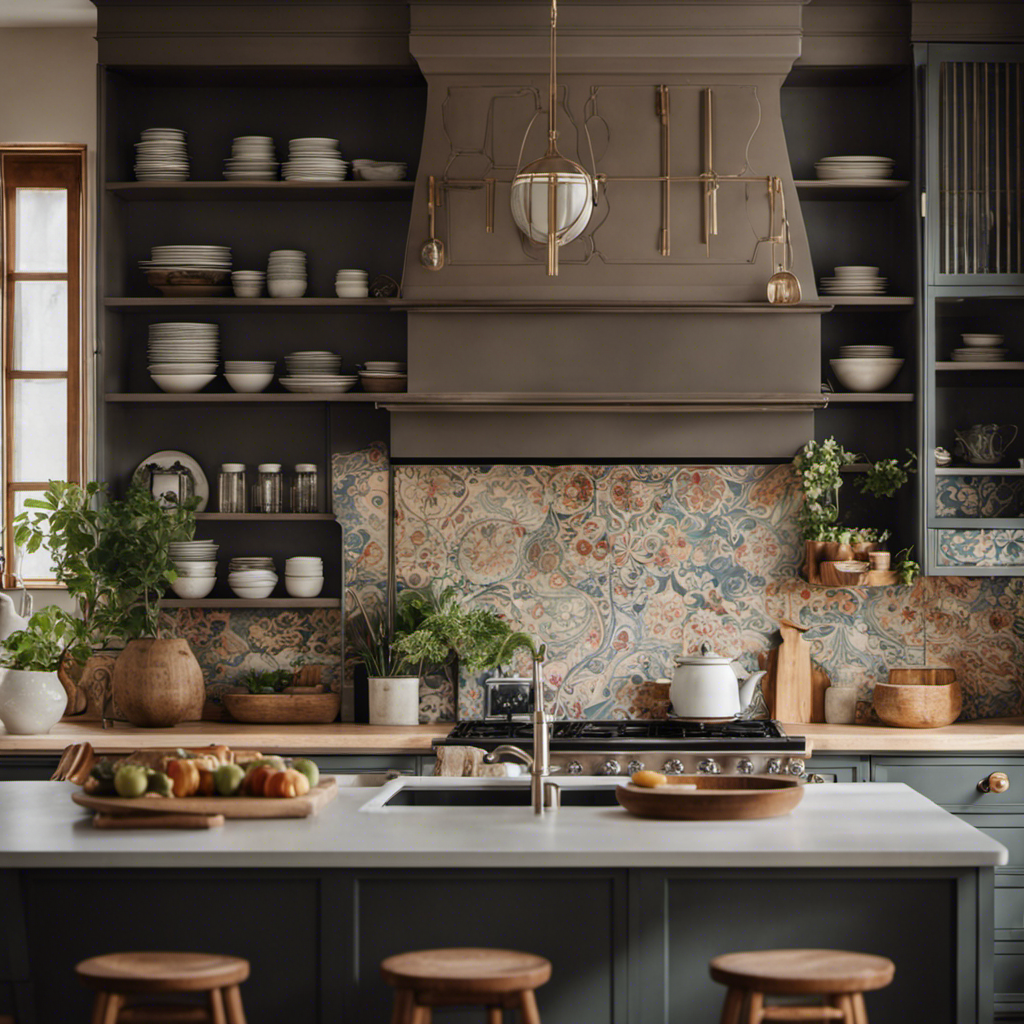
(553, 197)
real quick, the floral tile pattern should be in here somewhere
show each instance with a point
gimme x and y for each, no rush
(979, 496)
(981, 547)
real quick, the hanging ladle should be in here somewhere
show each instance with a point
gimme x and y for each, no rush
(432, 253)
(783, 286)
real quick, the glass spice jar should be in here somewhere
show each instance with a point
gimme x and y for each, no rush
(268, 492)
(231, 490)
(304, 488)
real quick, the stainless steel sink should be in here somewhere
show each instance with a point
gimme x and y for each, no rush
(434, 792)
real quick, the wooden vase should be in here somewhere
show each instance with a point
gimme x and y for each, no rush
(158, 683)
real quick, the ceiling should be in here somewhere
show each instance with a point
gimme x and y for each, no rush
(47, 14)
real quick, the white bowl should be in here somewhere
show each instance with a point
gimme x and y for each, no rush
(286, 288)
(192, 588)
(303, 586)
(182, 383)
(248, 291)
(866, 374)
(248, 383)
(351, 291)
(253, 593)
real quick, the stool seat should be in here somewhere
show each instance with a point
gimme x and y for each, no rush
(128, 973)
(796, 972)
(467, 971)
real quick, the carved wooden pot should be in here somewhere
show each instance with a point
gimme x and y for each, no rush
(158, 683)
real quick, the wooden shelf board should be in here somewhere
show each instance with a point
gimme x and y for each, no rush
(979, 471)
(240, 602)
(321, 305)
(1007, 365)
(816, 306)
(849, 189)
(868, 301)
(868, 397)
(257, 190)
(253, 517)
(234, 398)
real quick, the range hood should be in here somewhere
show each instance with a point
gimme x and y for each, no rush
(655, 340)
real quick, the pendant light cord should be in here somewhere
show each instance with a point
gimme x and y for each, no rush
(552, 82)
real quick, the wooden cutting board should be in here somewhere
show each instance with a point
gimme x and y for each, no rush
(793, 690)
(229, 806)
(713, 797)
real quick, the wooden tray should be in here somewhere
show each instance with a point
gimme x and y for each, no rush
(283, 708)
(229, 806)
(716, 798)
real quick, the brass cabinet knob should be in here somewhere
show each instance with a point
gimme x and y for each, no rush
(997, 782)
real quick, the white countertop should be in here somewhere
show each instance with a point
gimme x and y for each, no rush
(859, 825)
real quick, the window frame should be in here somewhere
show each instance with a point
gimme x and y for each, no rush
(41, 166)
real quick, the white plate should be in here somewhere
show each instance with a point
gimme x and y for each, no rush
(165, 459)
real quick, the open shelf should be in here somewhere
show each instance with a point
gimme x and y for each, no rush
(273, 190)
(241, 602)
(265, 517)
(236, 398)
(318, 305)
(985, 367)
(867, 397)
(979, 470)
(850, 189)
(868, 301)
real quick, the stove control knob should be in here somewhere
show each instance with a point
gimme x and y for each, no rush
(796, 767)
(709, 766)
(574, 768)
(634, 766)
(745, 766)
(674, 767)
(819, 779)
(610, 768)
(774, 766)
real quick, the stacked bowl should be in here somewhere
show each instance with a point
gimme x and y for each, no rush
(854, 168)
(249, 376)
(286, 274)
(854, 281)
(866, 367)
(314, 160)
(189, 270)
(304, 575)
(248, 284)
(252, 159)
(316, 371)
(383, 376)
(980, 348)
(352, 284)
(253, 578)
(161, 155)
(379, 170)
(183, 357)
(195, 562)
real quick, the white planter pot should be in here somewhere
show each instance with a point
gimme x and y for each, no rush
(394, 700)
(30, 702)
(841, 705)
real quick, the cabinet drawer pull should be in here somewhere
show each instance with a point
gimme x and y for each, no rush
(997, 782)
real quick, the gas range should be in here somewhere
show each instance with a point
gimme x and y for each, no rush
(673, 746)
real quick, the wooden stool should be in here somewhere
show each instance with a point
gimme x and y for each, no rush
(497, 979)
(117, 975)
(839, 977)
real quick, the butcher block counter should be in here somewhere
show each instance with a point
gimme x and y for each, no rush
(987, 734)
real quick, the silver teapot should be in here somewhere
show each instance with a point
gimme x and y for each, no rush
(985, 444)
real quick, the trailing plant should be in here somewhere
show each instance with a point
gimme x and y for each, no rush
(885, 477)
(52, 635)
(905, 567)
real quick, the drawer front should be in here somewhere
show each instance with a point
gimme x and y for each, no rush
(836, 769)
(335, 764)
(1009, 913)
(1008, 966)
(954, 782)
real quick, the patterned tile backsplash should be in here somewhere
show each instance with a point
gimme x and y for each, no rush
(618, 569)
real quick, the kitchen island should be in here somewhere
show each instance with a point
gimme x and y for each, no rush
(628, 910)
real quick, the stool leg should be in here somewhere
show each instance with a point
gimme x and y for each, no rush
(215, 1000)
(755, 1004)
(494, 1015)
(113, 1008)
(860, 1011)
(402, 1012)
(233, 1004)
(528, 1012)
(843, 1003)
(733, 1006)
(421, 1015)
(99, 1008)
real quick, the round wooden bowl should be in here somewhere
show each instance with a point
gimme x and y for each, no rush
(283, 708)
(918, 698)
(716, 798)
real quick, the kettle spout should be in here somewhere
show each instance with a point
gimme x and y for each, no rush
(747, 688)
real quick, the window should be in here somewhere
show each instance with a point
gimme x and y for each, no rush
(42, 331)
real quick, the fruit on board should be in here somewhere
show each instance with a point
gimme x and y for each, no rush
(648, 779)
(288, 783)
(228, 779)
(308, 768)
(130, 780)
(207, 783)
(256, 781)
(184, 776)
(160, 783)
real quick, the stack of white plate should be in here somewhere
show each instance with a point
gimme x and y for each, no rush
(866, 351)
(161, 155)
(314, 160)
(853, 168)
(379, 170)
(183, 357)
(286, 274)
(248, 284)
(188, 257)
(316, 371)
(249, 376)
(304, 575)
(383, 376)
(980, 348)
(854, 281)
(252, 159)
(195, 562)
(253, 578)
(352, 284)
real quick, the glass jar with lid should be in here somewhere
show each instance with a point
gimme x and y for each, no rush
(268, 492)
(304, 488)
(231, 490)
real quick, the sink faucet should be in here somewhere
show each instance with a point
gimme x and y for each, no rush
(544, 795)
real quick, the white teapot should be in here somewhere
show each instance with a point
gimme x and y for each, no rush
(707, 686)
(10, 620)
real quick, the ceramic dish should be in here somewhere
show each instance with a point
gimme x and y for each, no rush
(866, 374)
(163, 460)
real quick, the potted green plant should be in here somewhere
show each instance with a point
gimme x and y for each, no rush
(114, 559)
(818, 468)
(32, 697)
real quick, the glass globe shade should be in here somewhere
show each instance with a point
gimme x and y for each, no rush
(574, 199)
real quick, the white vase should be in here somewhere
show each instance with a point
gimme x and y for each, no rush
(394, 700)
(31, 702)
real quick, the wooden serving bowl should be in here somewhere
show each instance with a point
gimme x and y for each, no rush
(716, 798)
(918, 698)
(283, 708)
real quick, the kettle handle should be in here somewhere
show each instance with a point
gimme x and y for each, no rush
(1013, 437)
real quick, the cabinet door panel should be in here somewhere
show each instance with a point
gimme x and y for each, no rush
(955, 783)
